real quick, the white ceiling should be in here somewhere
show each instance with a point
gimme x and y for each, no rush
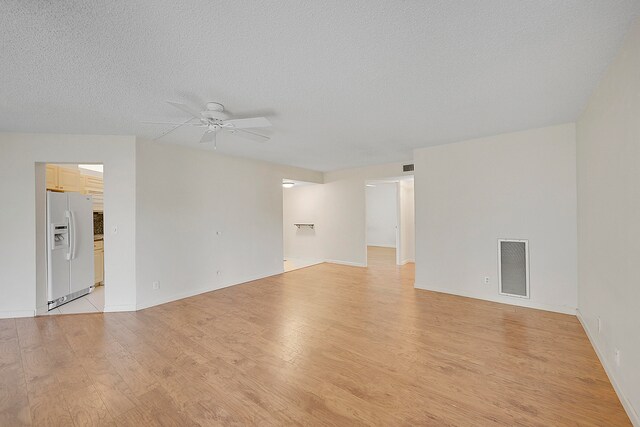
(345, 83)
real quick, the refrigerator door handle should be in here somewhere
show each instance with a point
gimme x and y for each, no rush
(71, 254)
(74, 238)
(67, 214)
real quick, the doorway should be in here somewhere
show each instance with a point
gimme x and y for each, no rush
(301, 224)
(390, 221)
(74, 233)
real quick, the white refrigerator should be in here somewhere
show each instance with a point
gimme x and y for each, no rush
(70, 271)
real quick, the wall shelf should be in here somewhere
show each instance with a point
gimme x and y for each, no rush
(311, 226)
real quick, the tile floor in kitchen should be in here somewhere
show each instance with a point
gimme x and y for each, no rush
(91, 303)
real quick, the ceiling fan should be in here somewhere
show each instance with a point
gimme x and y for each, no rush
(213, 119)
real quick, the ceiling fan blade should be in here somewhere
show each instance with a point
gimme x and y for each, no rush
(208, 136)
(170, 123)
(172, 129)
(186, 109)
(248, 134)
(253, 122)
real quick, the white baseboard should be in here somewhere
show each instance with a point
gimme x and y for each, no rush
(406, 261)
(306, 262)
(381, 246)
(520, 302)
(626, 404)
(17, 313)
(118, 308)
(192, 292)
(41, 312)
(352, 264)
(178, 296)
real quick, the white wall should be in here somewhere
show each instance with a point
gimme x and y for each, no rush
(386, 170)
(185, 198)
(338, 209)
(344, 222)
(519, 185)
(181, 192)
(346, 210)
(23, 251)
(304, 204)
(382, 214)
(608, 147)
(407, 222)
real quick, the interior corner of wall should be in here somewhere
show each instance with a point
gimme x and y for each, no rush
(606, 364)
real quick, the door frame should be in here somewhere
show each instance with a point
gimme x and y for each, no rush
(41, 306)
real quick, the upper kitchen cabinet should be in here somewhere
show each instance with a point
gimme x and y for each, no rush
(60, 178)
(52, 177)
(69, 179)
(63, 179)
(94, 185)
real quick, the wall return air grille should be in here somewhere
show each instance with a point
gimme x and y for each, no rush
(513, 267)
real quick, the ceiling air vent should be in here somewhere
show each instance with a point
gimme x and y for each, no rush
(407, 168)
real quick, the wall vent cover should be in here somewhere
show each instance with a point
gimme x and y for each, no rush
(513, 267)
(407, 168)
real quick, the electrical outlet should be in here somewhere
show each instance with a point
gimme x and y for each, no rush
(114, 229)
(599, 325)
(218, 272)
(616, 356)
(486, 280)
(156, 285)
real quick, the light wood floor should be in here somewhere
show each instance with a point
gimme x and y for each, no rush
(324, 345)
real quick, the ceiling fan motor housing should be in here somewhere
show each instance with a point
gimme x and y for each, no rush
(215, 106)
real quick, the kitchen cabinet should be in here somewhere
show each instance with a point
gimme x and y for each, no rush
(60, 178)
(52, 177)
(93, 183)
(98, 261)
(64, 179)
(69, 180)
(94, 186)
(98, 202)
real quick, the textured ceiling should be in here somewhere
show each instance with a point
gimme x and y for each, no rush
(345, 83)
